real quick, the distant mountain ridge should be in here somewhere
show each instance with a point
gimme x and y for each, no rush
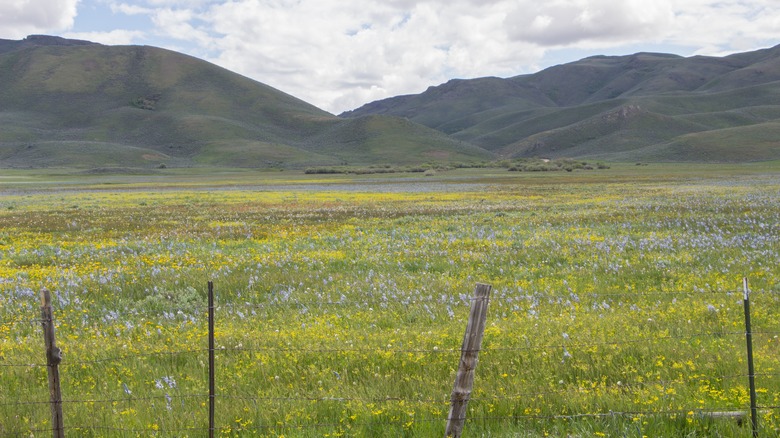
(40, 40)
(75, 103)
(645, 106)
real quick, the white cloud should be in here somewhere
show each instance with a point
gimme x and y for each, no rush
(21, 18)
(128, 9)
(720, 27)
(178, 24)
(114, 37)
(566, 22)
(339, 54)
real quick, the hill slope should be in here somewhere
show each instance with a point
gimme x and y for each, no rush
(74, 103)
(641, 106)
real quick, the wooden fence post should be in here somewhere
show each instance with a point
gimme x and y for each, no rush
(53, 359)
(472, 342)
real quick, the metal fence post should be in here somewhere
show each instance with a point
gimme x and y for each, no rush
(212, 394)
(751, 372)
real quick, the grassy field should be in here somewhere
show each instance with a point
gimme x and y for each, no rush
(342, 300)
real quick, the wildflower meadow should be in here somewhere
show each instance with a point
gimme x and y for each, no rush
(341, 302)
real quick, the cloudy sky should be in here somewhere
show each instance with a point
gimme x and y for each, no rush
(340, 54)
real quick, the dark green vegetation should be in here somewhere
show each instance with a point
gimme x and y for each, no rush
(642, 107)
(74, 103)
(516, 165)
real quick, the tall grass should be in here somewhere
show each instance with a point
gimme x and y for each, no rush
(616, 306)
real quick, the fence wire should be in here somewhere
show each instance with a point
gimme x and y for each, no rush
(503, 300)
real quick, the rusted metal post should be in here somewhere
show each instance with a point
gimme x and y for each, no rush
(751, 372)
(53, 359)
(212, 393)
(472, 342)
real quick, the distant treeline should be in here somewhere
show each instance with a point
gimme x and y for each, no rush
(514, 165)
(544, 165)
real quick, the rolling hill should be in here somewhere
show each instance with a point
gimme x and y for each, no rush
(79, 104)
(72, 103)
(646, 106)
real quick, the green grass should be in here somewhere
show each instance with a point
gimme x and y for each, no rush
(342, 300)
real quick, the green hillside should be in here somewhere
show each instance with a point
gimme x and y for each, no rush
(612, 107)
(759, 142)
(74, 103)
(70, 103)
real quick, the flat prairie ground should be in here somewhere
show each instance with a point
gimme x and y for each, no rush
(341, 301)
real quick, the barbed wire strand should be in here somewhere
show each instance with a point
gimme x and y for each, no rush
(22, 365)
(484, 349)
(450, 299)
(503, 297)
(154, 432)
(65, 363)
(674, 412)
(694, 412)
(127, 399)
(488, 349)
(566, 390)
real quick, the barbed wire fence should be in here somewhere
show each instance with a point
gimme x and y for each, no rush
(196, 404)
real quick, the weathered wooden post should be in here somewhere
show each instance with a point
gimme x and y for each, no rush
(53, 359)
(472, 342)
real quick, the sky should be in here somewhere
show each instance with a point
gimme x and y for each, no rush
(341, 54)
